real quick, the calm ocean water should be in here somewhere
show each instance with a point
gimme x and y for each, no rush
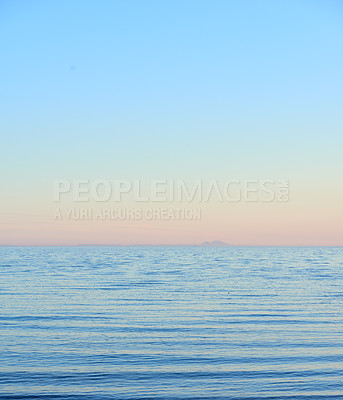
(159, 323)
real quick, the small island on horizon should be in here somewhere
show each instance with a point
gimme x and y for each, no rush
(215, 243)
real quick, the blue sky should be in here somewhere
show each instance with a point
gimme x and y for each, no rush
(248, 89)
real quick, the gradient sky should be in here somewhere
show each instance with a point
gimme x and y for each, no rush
(190, 90)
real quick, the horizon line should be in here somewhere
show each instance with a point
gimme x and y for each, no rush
(171, 245)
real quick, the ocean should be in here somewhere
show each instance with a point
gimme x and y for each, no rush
(171, 323)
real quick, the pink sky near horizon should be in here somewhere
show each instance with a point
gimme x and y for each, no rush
(284, 224)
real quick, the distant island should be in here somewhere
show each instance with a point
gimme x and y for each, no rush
(215, 243)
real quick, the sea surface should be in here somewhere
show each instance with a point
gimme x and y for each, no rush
(171, 323)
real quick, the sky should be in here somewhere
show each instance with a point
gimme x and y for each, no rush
(177, 91)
